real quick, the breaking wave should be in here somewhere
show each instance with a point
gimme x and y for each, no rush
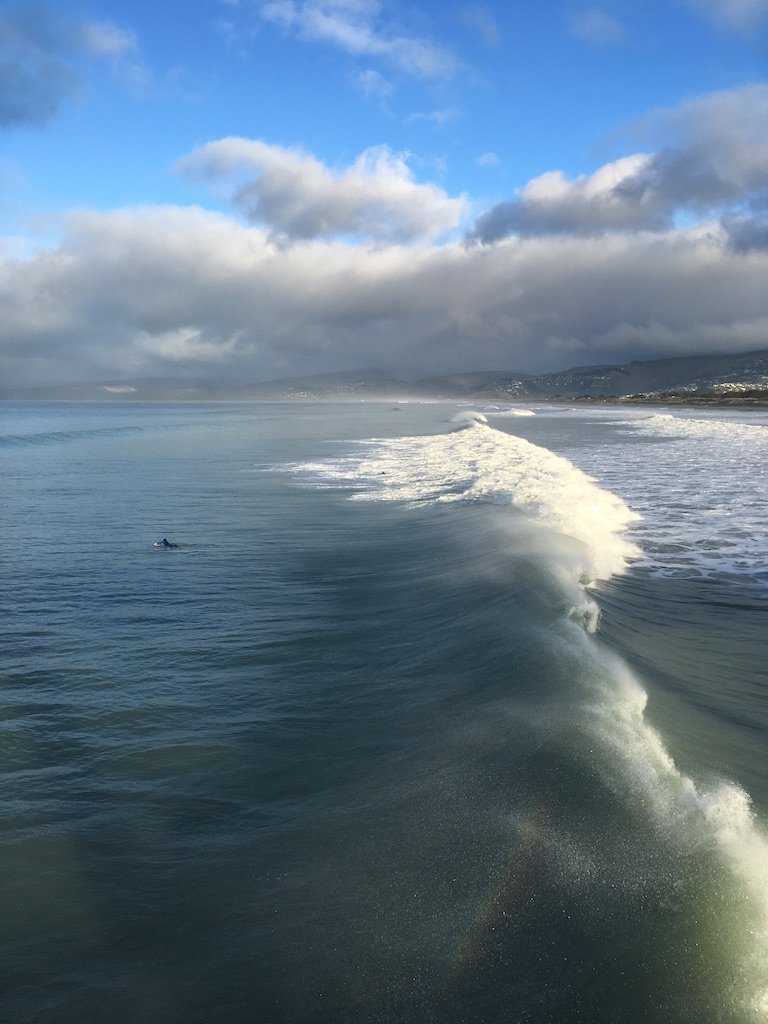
(476, 463)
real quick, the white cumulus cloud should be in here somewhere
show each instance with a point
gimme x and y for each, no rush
(712, 159)
(298, 197)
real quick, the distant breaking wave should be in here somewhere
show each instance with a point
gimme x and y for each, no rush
(483, 464)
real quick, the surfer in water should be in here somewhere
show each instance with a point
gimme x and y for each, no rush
(164, 543)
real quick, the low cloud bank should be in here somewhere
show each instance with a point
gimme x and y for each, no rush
(181, 290)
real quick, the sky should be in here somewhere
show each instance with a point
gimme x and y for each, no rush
(254, 189)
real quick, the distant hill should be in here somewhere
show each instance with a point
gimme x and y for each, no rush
(695, 379)
(691, 376)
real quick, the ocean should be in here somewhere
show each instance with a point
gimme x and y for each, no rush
(434, 713)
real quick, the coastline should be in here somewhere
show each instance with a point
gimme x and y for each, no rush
(750, 399)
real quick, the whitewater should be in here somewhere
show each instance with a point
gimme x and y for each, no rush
(435, 713)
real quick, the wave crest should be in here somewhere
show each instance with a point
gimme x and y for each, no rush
(479, 463)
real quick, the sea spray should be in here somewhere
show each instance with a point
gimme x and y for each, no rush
(705, 824)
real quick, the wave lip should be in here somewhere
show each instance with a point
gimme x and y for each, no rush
(703, 823)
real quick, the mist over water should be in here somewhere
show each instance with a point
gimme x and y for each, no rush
(400, 731)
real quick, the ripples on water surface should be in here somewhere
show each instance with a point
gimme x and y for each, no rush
(358, 748)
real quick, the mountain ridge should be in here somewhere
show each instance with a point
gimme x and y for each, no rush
(726, 378)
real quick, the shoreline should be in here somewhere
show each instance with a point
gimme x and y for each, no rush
(752, 399)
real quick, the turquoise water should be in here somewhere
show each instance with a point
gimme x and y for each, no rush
(417, 723)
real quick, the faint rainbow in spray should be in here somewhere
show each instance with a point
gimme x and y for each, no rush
(499, 899)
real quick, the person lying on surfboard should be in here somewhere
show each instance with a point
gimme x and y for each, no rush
(164, 543)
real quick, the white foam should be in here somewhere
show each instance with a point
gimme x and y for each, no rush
(516, 412)
(482, 464)
(719, 470)
(699, 482)
(739, 429)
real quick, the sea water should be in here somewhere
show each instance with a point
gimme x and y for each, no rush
(434, 714)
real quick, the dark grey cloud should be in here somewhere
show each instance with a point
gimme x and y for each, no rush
(618, 197)
(747, 234)
(676, 179)
(669, 182)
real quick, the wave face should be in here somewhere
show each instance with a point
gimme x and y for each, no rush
(413, 726)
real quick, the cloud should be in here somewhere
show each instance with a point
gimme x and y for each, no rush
(105, 39)
(483, 22)
(298, 198)
(117, 45)
(488, 160)
(186, 291)
(597, 28)
(747, 234)
(715, 160)
(730, 115)
(38, 57)
(438, 117)
(356, 26)
(738, 15)
(552, 204)
(374, 85)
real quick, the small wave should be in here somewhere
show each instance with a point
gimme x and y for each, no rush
(699, 427)
(516, 412)
(468, 418)
(55, 437)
